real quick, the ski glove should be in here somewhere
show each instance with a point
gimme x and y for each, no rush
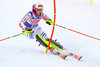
(50, 22)
(28, 31)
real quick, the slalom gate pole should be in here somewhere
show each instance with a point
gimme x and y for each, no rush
(78, 32)
(53, 25)
(91, 2)
(11, 37)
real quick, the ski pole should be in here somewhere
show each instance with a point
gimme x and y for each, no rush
(11, 37)
(78, 32)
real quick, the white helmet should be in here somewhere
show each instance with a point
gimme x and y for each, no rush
(37, 7)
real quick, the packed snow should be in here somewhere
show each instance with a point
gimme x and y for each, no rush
(77, 15)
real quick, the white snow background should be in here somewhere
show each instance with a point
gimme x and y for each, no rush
(75, 14)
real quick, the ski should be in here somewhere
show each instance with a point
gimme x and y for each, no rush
(77, 57)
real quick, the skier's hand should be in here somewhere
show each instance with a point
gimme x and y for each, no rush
(28, 31)
(50, 22)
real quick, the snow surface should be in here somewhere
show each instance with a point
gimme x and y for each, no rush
(23, 52)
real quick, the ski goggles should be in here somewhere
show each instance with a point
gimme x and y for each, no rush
(39, 10)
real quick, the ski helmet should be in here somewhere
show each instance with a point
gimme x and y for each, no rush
(37, 7)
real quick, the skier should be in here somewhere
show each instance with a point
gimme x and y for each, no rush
(32, 30)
